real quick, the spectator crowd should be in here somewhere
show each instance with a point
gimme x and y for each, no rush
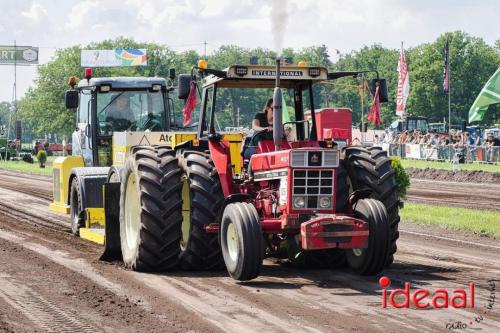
(456, 139)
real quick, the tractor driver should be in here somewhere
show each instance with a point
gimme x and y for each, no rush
(120, 115)
(262, 123)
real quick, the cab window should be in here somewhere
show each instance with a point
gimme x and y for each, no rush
(130, 111)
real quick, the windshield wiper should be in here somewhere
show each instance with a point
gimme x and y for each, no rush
(111, 101)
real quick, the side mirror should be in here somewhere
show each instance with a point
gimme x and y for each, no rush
(71, 99)
(384, 95)
(183, 86)
(171, 74)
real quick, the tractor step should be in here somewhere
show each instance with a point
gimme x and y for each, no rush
(95, 235)
(330, 231)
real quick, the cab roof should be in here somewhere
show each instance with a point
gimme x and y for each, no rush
(265, 76)
(123, 82)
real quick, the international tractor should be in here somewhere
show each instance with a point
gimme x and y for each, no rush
(217, 197)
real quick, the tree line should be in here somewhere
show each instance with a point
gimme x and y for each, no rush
(472, 63)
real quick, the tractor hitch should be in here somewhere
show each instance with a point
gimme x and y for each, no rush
(331, 231)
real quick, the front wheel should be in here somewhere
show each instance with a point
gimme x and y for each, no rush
(371, 260)
(241, 241)
(76, 210)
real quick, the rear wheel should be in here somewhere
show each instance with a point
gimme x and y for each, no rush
(76, 210)
(202, 200)
(150, 209)
(371, 260)
(241, 241)
(370, 168)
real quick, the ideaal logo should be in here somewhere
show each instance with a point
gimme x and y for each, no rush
(424, 298)
(440, 298)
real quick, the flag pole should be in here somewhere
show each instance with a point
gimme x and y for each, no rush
(449, 89)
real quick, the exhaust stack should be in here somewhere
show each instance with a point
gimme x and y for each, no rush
(277, 113)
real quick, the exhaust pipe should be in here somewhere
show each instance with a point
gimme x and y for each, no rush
(277, 113)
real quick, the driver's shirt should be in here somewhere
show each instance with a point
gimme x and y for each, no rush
(262, 118)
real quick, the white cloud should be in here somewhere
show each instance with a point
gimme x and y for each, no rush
(36, 12)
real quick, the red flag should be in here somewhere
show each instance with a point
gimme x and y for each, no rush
(374, 115)
(187, 110)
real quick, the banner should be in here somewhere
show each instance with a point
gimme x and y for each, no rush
(20, 55)
(114, 58)
(403, 84)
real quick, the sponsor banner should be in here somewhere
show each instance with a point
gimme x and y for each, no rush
(413, 151)
(20, 55)
(114, 58)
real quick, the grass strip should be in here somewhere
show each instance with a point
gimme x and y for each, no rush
(21, 166)
(481, 222)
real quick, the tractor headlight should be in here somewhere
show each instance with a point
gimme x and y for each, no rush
(325, 202)
(299, 202)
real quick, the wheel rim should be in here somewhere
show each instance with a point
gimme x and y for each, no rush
(132, 216)
(75, 210)
(186, 214)
(357, 252)
(232, 242)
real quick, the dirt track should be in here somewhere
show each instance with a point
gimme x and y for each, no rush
(50, 280)
(470, 195)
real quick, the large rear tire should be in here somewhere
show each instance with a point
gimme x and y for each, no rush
(202, 202)
(241, 241)
(150, 209)
(371, 260)
(370, 168)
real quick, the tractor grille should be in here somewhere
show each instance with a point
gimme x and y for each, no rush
(307, 158)
(312, 185)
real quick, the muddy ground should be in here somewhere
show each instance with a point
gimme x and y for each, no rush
(459, 176)
(52, 281)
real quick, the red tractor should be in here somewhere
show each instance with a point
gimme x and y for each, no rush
(298, 196)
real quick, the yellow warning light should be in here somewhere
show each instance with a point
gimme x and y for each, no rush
(302, 63)
(202, 64)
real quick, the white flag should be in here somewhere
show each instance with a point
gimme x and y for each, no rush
(403, 84)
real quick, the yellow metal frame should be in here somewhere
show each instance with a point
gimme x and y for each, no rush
(235, 140)
(62, 167)
(94, 225)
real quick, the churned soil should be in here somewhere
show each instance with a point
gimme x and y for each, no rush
(459, 176)
(52, 281)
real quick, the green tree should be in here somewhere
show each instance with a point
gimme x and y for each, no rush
(472, 62)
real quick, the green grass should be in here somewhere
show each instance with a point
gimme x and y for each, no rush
(480, 222)
(21, 166)
(420, 164)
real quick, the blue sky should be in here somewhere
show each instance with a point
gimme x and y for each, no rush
(339, 24)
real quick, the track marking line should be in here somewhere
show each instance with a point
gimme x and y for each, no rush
(450, 239)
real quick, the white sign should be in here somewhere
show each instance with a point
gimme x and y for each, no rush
(114, 58)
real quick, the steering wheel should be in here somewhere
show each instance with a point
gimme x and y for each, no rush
(256, 137)
(119, 124)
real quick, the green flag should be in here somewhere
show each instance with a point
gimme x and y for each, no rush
(490, 94)
(286, 115)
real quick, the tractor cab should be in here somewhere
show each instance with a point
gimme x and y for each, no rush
(233, 98)
(109, 105)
